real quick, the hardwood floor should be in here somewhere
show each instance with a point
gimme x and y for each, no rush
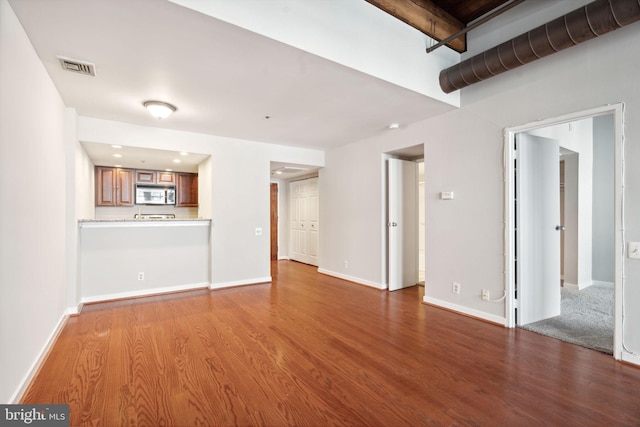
(313, 350)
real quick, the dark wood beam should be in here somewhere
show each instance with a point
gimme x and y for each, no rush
(425, 17)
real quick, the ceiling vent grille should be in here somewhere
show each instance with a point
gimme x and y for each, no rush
(77, 66)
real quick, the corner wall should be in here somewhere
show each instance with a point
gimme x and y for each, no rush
(33, 220)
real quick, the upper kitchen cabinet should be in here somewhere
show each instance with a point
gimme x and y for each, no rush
(151, 177)
(186, 189)
(114, 187)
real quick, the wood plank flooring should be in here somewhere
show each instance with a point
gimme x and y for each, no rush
(312, 350)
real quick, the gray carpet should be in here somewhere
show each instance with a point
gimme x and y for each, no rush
(586, 319)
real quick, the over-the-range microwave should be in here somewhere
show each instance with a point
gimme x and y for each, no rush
(155, 195)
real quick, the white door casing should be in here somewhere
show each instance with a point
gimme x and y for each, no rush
(537, 216)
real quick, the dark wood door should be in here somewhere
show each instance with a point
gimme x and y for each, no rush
(274, 222)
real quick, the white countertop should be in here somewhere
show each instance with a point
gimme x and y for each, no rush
(156, 222)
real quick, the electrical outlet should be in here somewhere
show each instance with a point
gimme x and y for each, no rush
(455, 288)
(346, 264)
(141, 276)
(485, 295)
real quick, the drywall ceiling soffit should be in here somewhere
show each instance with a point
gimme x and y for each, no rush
(439, 19)
(142, 158)
(223, 79)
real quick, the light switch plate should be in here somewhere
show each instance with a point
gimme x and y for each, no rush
(634, 250)
(446, 195)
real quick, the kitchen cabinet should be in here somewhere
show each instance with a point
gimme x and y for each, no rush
(186, 189)
(114, 187)
(152, 177)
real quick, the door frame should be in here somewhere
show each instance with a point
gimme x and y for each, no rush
(617, 110)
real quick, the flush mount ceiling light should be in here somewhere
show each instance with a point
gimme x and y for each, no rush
(394, 126)
(159, 110)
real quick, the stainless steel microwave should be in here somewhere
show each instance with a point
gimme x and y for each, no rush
(155, 195)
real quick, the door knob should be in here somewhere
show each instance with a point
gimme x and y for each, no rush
(559, 227)
(393, 224)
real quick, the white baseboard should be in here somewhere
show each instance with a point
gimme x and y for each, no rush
(601, 283)
(465, 310)
(142, 293)
(255, 281)
(352, 279)
(630, 357)
(33, 369)
(582, 286)
(283, 258)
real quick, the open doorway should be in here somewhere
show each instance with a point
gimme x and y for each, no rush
(586, 147)
(294, 195)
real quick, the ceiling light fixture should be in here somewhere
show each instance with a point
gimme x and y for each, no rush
(159, 110)
(394, 126)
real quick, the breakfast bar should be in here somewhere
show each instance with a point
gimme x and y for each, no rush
(123, 258)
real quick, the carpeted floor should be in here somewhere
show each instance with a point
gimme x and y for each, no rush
(586, 319)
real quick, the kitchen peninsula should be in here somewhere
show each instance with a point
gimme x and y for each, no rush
(123, 258)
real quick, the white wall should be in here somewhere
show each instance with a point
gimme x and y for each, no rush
(236, 190)
(352, 33)
(33, 222)
(464, 154)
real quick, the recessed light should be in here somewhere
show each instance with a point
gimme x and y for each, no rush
(176, 160)
(168, 170)
(117, 166)
(116, 146)
(117, 155)
(394, 126)
(184, 153)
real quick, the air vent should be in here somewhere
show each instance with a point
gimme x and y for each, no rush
(77, 66)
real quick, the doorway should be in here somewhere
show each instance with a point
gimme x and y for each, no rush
(532, 237)
(403, 239)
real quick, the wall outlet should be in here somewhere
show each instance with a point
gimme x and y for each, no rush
(455, 288)
(485, 295)
(346, 264)
(141, 276)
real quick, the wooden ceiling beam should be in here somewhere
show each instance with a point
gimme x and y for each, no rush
(426, 17)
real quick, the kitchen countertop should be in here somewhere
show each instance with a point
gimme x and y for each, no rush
(127, 222)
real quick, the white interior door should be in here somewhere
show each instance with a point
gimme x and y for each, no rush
(538, 240)
(402, 224)
(305, 224)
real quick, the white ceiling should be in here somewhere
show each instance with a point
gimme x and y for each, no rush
(224, 80)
